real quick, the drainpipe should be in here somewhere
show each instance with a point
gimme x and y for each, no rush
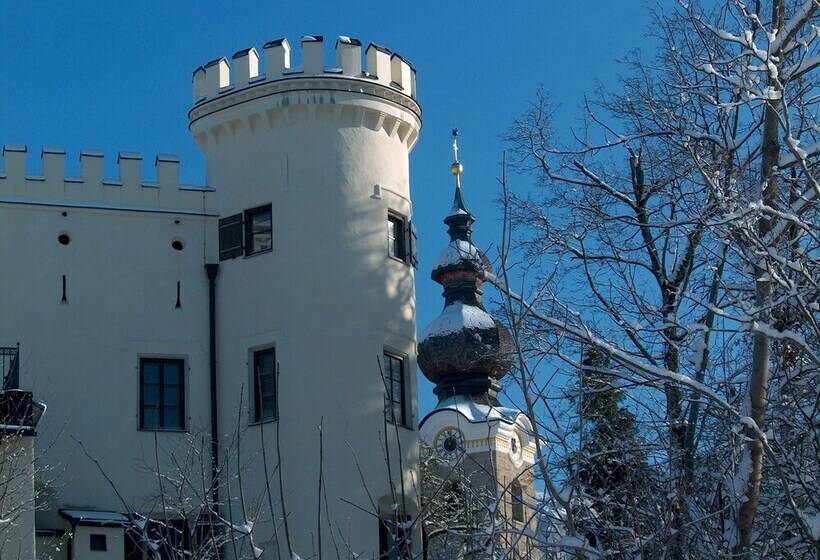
(212, 269)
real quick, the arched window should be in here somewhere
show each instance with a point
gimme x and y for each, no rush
(517, 501)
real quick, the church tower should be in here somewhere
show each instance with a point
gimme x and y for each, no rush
(477, 456)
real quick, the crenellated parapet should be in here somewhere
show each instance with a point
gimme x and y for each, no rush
(129, 190)
(377, 74)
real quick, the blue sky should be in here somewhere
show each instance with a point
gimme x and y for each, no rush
(114, 76)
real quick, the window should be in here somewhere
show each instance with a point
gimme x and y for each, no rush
(264, 383)
(394, 405)
(517, 501)
(394, 543)
(162, 394)
(97, 542)
(258, 230)
(396, 234)
(230, 237)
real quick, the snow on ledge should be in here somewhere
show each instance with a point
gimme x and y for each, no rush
(456, 317)
(458, 251)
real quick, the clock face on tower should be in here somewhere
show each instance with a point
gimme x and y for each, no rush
(515, 446)
(449, 444)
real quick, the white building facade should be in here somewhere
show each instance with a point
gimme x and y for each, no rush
(155, 318)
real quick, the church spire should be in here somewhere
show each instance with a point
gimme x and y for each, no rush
(459, 221)
(464, 351)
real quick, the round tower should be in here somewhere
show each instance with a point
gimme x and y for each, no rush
(315, 292)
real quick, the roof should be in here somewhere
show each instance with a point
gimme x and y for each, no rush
(474, 412)
(95, 517)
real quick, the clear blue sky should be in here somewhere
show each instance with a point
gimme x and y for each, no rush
(113, 76)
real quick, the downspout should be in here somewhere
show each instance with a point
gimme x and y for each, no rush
(212, 269)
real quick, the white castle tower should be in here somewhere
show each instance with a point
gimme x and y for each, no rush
(316, 159)
(162, 322)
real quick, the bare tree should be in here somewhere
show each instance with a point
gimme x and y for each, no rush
(676, 231)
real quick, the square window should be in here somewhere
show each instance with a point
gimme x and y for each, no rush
(258, 230)
(396, 235)
(395, 407)
(264, 383)
(97, 542)
(162, 394)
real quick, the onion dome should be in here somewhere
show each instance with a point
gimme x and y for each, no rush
(464, 351)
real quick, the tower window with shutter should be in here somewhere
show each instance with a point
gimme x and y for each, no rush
(395, 408)
(397, 236)
(264, 382)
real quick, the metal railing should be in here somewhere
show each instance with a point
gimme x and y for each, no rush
(10, 366)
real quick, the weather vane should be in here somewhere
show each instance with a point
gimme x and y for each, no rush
(456, 168)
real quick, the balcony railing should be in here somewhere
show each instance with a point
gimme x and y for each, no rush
(10, 366)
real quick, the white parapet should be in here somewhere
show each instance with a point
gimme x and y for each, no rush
(91, 166)
(313, 54)
(378, 63)
(129, 189)
(401, 73)
(15, 161)
(53, 162)
(277, 58)
(245, 67)
(217, 76)
(349, 56)
(220, 78)
(130, 167)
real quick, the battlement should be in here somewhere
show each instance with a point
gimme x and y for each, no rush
(384, 67)
(91, 187)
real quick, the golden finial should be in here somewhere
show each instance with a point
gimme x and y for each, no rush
(457, 169)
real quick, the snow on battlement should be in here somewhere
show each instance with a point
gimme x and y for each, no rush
(382, 66)
(129, 188)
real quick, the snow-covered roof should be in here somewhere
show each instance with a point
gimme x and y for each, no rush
(457, 251)
(475, 412)
(456, 317)
(94, 517)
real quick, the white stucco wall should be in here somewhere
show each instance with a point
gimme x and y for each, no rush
(327, 296)
(81, 357)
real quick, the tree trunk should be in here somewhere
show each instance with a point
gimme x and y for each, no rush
(758, 384)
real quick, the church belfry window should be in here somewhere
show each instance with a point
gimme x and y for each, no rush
(396, 236)
(162, 394)
(264, 385)
(395, 407)
(258, 230)
(517, 501)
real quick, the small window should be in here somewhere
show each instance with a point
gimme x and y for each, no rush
(162, 394)
(395, 409)
(396, 234)
(258, 230)
(230, 237)
(264, 383)
(97, 542)
(517, 501)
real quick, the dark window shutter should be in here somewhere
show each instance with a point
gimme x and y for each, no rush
(230, 237)
(414, 243)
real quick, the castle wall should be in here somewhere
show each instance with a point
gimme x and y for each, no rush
(81, 355)
(328, 149)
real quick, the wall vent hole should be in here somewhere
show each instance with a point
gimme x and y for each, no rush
(63, 239)
(177, 245)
